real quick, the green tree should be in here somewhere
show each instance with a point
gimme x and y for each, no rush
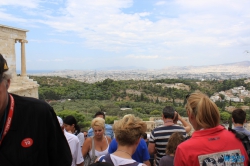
(246, 100)
(225, 116)
(157, 100)
(155, 112)
(79, 116)
(110, 119)
(222, 96)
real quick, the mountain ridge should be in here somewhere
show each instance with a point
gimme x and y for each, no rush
(237, 67)
(241, 63)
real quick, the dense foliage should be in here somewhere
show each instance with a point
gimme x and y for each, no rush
(145, 98)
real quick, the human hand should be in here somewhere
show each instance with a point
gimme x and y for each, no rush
(175, 116)
(179, 117)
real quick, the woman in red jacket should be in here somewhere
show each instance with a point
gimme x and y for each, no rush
(211, 143)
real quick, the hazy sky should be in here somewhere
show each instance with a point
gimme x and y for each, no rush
(93, 34)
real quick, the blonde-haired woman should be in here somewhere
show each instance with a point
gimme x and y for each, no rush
(128, 132)
(211, 143)
(101, 142)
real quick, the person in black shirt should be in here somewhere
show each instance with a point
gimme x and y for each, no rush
(30, 134)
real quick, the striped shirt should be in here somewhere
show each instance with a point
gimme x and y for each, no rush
(160, 135)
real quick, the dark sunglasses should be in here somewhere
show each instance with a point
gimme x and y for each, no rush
(85, 135)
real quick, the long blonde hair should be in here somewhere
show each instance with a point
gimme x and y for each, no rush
(205, 111)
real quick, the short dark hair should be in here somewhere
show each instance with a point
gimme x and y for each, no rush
(144, 136)
(100, 113)
(239, 116)
(3, 65)
(70, 120)
(168, 112)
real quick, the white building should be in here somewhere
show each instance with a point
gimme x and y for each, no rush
(215, 98)
(235, 99)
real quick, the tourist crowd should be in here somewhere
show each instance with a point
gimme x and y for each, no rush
(32, 135)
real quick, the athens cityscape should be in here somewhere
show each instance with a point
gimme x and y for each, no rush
(124, 83)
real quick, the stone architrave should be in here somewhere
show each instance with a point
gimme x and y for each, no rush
(20, 84)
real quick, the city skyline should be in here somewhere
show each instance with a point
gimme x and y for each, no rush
(80, 35)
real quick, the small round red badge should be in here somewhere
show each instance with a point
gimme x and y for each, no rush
(27, 142)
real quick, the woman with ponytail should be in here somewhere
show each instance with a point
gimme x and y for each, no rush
(211, 143)
(71, 126)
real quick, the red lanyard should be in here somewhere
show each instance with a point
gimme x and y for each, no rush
(9, 118)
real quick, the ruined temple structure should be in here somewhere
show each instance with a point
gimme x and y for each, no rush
(20, 84)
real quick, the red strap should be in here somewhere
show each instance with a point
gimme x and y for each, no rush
(9, 118)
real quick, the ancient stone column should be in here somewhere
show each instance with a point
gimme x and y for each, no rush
(23, 58)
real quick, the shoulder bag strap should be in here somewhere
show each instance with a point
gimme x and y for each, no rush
(107, 159)
(93, 148)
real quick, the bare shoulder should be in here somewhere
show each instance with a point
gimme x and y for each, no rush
(88, 140)
(109, 139)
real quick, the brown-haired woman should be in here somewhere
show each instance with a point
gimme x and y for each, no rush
(174, 140)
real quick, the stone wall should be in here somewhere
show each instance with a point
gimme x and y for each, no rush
(20, 85)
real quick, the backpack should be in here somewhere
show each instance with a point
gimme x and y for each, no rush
(107, 158)
(245, 141)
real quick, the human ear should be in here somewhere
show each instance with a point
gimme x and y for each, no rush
(8, 84)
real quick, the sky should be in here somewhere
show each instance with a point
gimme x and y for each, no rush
(143, 34)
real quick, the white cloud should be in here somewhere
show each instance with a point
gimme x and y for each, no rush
(142, 56)
(227, 43)
(9, 17)
(37, 41)
(22, 3)
(103, 25)
(63, 59)
(58, 60)
(144, 14)
(199, 28)
(160, 3)
(52, 41)
(61, 41)
(174, 58)
(43, 60)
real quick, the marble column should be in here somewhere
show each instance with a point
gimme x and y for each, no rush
(23, 58)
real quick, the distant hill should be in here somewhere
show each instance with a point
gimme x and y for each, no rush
(221, 71)
(237, 67)
(121, 68)
(242, 64)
